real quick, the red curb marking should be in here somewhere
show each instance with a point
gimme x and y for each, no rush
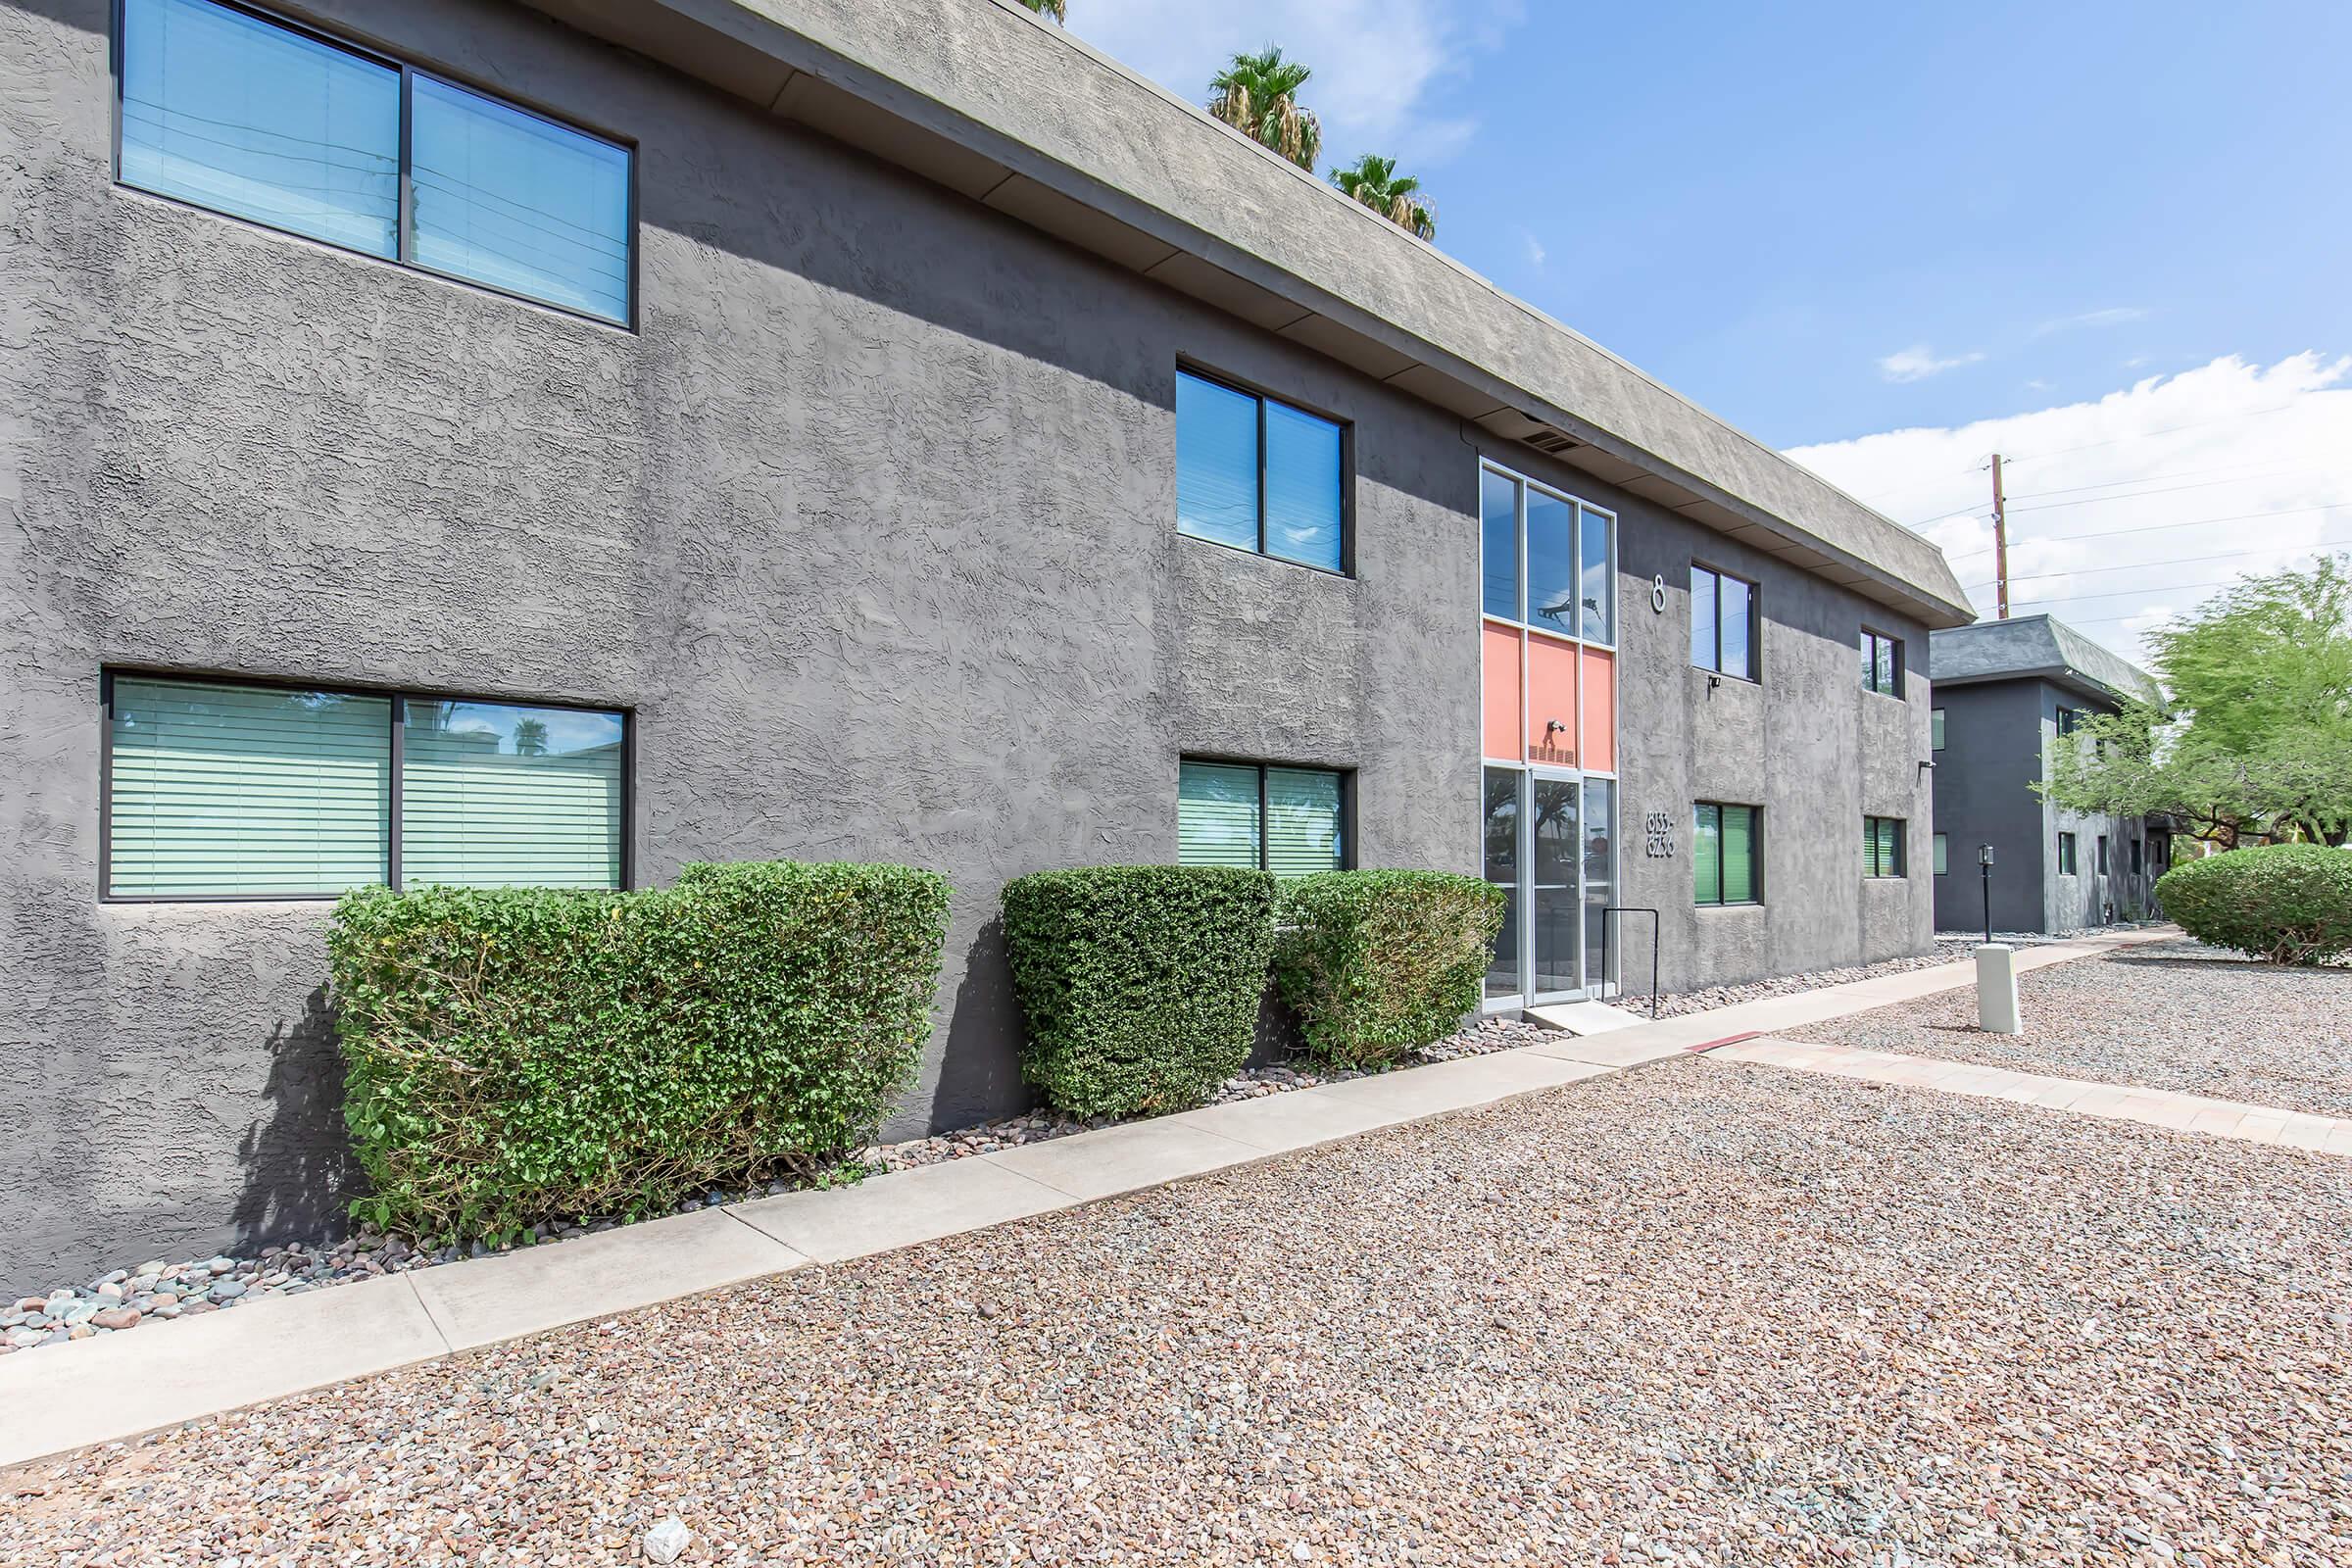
(1727, 1039)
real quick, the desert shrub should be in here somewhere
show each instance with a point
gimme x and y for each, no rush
(2283, 902)
(1140, 983)
(522, 1053)
(1379, 963)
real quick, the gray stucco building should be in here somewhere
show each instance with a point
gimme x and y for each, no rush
(557, 441)
(2006, 694)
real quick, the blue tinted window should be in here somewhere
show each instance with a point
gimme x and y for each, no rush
(1498, 543)
(1302, 487)
(520, 203)
(1550, 563)
(261, 121)
(247, 118)
(1217, 463)
(1226, 441)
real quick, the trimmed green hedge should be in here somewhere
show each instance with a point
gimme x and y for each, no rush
(1141, 983)
(521, 1054)
(1380, 963)
(2284, 902)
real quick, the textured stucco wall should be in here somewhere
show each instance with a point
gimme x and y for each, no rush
(871, 524)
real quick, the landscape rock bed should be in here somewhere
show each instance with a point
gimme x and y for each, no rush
(2173, 1015)
(158, 1291)
(1705, 1316)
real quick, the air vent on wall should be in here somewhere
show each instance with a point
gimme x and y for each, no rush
(1554, 441)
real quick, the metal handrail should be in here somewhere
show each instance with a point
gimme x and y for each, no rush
(1630, 908)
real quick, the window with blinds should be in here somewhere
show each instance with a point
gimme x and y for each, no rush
(1726, 858)
(1286, 820)
(1259, 475)
(226, 790)
(498, 796)
(1882, 845)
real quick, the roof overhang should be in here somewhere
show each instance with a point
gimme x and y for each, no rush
(949, 90)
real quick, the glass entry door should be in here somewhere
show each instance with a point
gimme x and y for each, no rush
(1550, 842)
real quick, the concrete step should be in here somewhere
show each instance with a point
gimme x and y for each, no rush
(1583, 1017)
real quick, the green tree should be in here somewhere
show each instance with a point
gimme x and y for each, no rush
(2253, 740)
(1059, 10)
(1375, 182)
(1258, 95)
(530, 737)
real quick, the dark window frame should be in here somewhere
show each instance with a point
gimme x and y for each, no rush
(2069, 859)
(1755, 841)
(1259, 395)
(398, 698)
(1942, 851)
(1871, 869)
(404, 236)
(1936, 729)
(2139, 862)
(1346, 776)
(2099, 851)
(2067, 721)
(1900, 667)
(1756, 623)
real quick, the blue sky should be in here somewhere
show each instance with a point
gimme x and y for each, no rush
(2001, 226)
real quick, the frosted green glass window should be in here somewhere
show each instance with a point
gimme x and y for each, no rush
(1288, 820)
(245, 791)
(498, 796)
(1259, 475)
(1942, 854)
(1882, 845)
(1725, 856)
(225, 789)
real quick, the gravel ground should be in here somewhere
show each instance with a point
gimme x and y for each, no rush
(159, 1292)
(2162, 1015)
(1704, 1314)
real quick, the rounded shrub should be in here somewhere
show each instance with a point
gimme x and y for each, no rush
(1140, 983)
(2282, 902)
(1377, 965)
(520, 1054)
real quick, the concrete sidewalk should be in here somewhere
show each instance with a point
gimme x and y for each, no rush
(125, 1384)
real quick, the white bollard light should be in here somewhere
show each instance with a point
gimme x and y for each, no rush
(1996, 989)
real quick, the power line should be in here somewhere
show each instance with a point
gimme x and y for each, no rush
(2159, 527)
(2145, 566)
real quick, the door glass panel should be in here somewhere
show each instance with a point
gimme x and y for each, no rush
(1502, 856)
(1499, 544)
(1551, 563)
(1559, 850)
(1600, 880)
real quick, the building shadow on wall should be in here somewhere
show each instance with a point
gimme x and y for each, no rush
(296, 1166)
(980, 1065)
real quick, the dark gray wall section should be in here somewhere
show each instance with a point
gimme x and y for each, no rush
(871, 524)
(1998, 741)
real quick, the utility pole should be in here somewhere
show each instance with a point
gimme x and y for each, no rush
(2000, 546)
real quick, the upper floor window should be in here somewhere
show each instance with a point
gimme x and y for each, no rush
(216, 790)
(1883, 845)
(1547, 562)
(1936, 729)
(1286, 820)
(1723, 622)
(1259, 475)
(2068, 718)
(1883, 664)
(1942, 854)
(263, 121)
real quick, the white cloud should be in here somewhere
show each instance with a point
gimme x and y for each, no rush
(2134, 507)
(1375, 61)
(1919, 362)
(2113, 316)
(1536, 253)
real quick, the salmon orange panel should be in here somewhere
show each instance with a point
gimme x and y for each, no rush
(1501, 644)
(1550, 699)
(1601, 711)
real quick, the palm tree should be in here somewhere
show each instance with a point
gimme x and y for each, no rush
(1059, 10)
(1375, 182)
(1258, 95)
